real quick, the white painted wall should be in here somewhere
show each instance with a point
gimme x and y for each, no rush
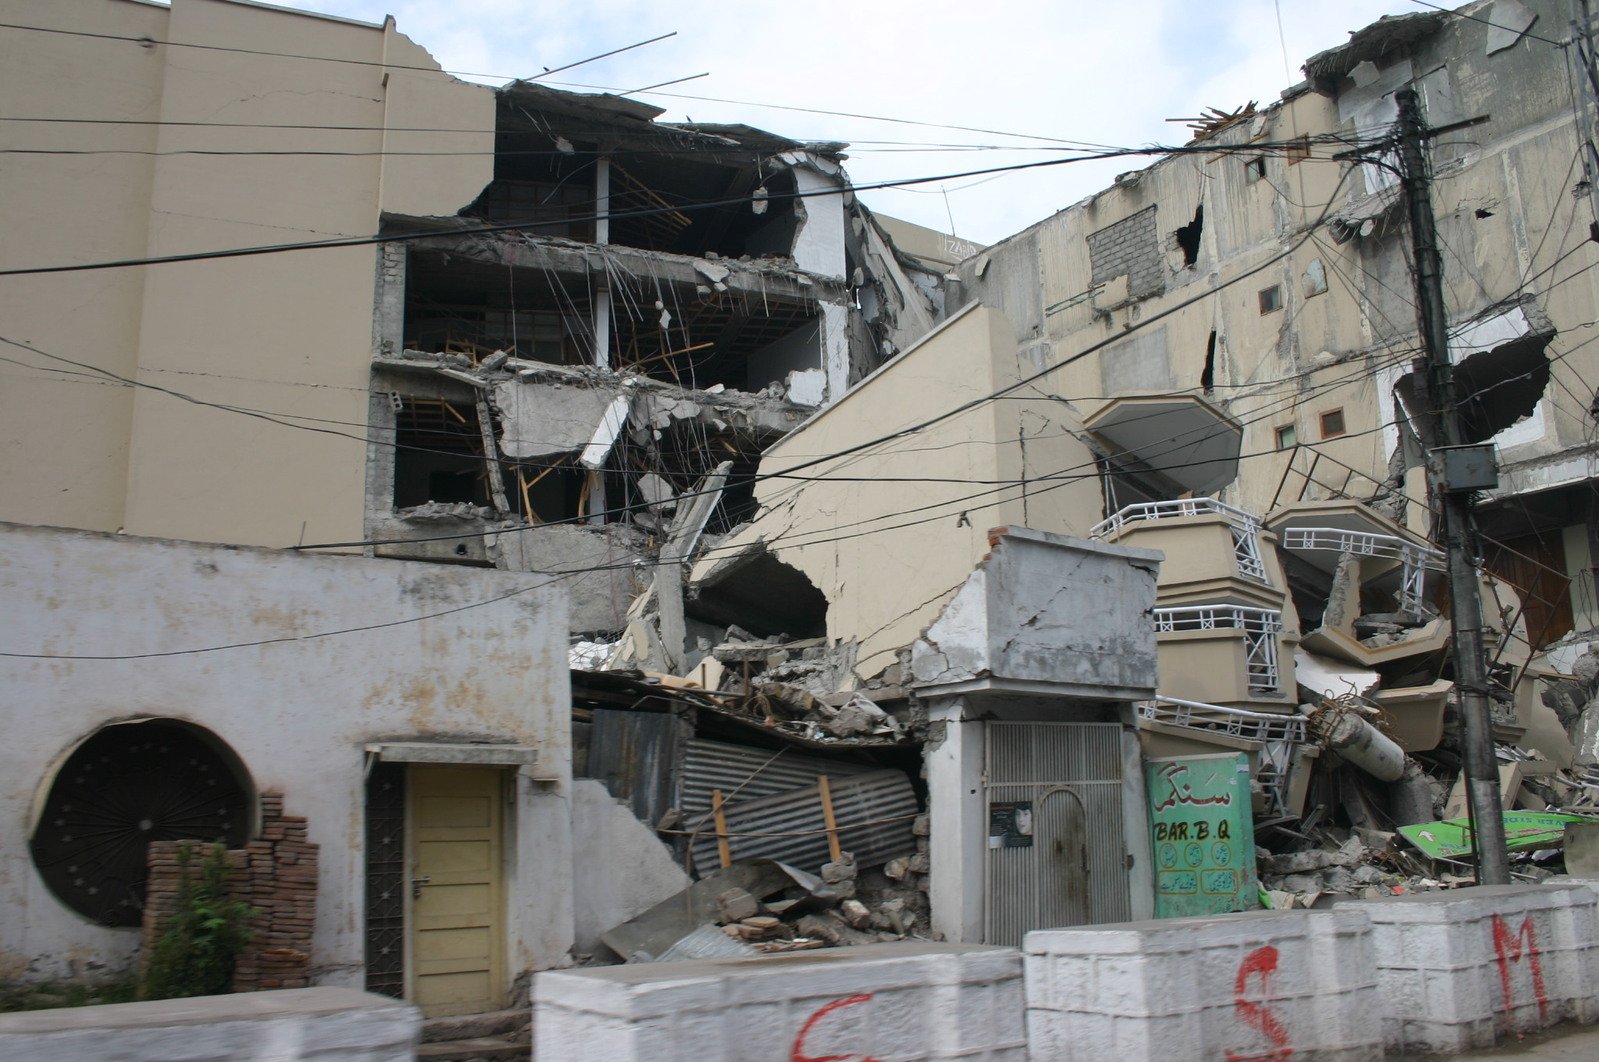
(620, 869)
(447, 653)
(819, 244)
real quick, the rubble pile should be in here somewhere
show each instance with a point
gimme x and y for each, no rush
(832, 917)
(1387, 817)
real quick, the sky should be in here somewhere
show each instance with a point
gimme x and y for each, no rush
(1031, 73)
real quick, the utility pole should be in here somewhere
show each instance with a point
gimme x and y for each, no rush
(1459, 532)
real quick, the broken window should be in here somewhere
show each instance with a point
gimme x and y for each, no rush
(1271, 299)
(1188, 236)
(1255, 169)
(1298, 150)
(1332, 423)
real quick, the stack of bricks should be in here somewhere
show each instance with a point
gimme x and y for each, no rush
(282, 888)
(276, 874)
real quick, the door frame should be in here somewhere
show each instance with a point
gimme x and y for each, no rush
(505, 777)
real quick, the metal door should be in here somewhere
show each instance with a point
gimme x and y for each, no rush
(1065, 780)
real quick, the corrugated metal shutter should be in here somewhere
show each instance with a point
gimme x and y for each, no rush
(873, 811)
(635, 755)
(1075, 871)
(749, 772)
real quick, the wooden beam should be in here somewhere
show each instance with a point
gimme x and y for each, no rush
(833, 848)
(724, 851)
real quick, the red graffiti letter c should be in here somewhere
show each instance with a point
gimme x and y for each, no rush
(797, 1053)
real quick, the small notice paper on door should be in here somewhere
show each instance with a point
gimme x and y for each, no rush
(1010, 824)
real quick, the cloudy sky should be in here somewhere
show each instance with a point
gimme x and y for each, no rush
(1033, 73)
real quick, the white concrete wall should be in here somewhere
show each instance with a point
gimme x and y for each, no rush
(301, 1024)
(104, 627)
(905, 1002)
(1256, 985)
(620, 868)
(1462, 969)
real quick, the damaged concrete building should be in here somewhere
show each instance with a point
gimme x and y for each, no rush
(376, 310)
(625, 307)
(1264, 274)
(901, 582)
(1211, 359)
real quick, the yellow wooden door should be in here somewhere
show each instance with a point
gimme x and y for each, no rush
(457, 923)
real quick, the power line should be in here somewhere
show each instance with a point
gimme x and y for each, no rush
(1486, 22)
(150, 42)
(523, 226)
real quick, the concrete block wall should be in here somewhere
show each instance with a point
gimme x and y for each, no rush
(906, 1002)
(288, 1026)
(1465, 968)
(1255, 985)
(1131, 246)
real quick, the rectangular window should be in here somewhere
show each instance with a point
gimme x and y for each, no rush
(1271, 299)
(1255, 169)
(1298, 150)
(1287, 438)
(1332, 423)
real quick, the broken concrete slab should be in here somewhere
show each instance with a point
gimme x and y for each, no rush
(606, 434)
(653, 933)
(539, 419)
(1414, 715)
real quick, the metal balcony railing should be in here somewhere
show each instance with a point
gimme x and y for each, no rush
(1277, 735)
(1260, 626)
(1245, 527)
(1414, 559)
(1219, 718)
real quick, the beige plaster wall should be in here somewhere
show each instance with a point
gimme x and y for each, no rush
(276, 337)
(890, 533)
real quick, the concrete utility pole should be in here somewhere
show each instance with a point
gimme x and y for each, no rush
(1459, 532)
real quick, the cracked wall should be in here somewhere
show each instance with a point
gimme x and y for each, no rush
(888, 535)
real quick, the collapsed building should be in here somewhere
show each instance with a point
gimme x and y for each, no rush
(1210, 362)
(626, 306)
(560, 321)
(889, 573)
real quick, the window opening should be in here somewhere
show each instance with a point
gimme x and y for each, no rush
(1287, 437)
(1207, 378)
(1271, 299)
(1255, 169)
(1188, 236)
(1332, 423)
(1298, 150)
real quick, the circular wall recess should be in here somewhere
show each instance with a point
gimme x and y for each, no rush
(126, 785)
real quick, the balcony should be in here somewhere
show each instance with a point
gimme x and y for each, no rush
(1214, 552)
(1279, 759)
(1181, 441)
(1228, 655)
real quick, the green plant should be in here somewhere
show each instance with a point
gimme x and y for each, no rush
(194, 955)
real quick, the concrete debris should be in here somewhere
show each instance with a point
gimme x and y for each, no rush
(585, 655)
(1356, 740)
(605, 436)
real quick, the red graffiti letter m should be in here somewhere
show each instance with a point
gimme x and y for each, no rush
(1509, 949)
